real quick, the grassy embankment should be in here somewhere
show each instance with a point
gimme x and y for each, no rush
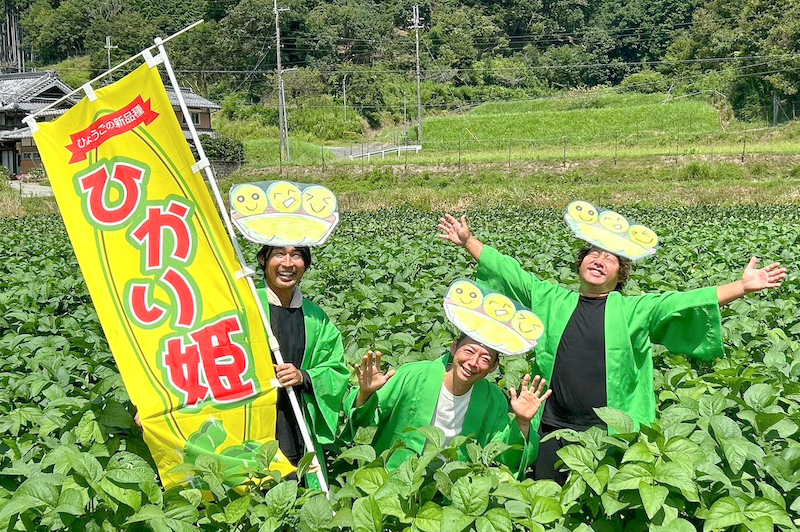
(620, 149)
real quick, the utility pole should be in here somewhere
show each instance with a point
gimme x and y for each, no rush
(108, 48)
(416, 28)
(283, 126)
(344, 96)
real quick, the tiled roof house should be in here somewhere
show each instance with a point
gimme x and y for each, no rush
(26, 93)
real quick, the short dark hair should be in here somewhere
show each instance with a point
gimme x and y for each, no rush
(625, 266)
(264, 252)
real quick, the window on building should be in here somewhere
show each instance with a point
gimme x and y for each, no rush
(196, 119)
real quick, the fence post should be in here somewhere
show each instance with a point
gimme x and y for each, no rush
(509, 154)
(744, 145)
(565, 151)
(459, 155)
(322, 157)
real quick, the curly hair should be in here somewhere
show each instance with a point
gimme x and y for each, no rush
(625, 266)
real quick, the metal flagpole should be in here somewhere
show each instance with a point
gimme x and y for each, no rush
(203, 164)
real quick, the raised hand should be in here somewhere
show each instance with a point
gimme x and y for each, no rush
(770, 276)
(370, 378)
(455, 230)
(528, 401)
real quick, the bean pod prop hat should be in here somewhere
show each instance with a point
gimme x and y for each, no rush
(282, 213)
(610, 230)
(491, 318)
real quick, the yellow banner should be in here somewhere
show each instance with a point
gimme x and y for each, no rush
(185, 332)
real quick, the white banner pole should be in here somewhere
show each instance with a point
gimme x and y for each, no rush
(203, 164)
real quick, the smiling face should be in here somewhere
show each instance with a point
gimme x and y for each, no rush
(471, 362)
(465, 294)
(614, 222)
(284, 197)
(499, 307)
(527, 324)
(283, 270)
(599, 272)
(248, 200)
(582, 211)
(643, 236)
(319, 201)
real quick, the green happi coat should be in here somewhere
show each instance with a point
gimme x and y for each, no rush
(408, 400)
(686, 323)
(323, 360)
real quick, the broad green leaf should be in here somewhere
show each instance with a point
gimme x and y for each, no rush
(236, 509)
(577, 458)
(617, 420)
(316, 514)
(676, 525)
(495, 520)
(434, 435)
(672, 474)
(367, 516)
(280, 498)
(683, 451)
(361, 453)
(428, 518)
(653, 498)
(630, 476)
(146, 513)
(471, 495)
(611, 504)
(639, 452)
(759, 396)
(761, 507)
(545, 510)
(454, 520)
(724, 513)
(370, 479)
(760, 524)
(19, 504)
(125, 495)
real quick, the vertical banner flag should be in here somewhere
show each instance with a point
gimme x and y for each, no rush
(184, 329)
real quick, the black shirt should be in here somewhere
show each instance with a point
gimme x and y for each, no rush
(288, 326)
(579, 373)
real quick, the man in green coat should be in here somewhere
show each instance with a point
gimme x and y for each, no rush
(458, 399)
(312, 352)
(597, 347)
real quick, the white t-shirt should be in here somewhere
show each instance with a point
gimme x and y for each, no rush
(450, 413)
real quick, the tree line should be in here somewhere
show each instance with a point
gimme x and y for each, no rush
(746, 51)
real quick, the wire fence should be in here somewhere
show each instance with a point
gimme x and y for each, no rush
(738, 146)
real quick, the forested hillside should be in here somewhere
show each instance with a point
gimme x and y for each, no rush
(470, 50)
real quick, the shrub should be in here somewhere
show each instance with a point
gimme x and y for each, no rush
(222, 148)
(646, 81)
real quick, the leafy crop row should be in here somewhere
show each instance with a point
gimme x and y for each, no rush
(724, 455)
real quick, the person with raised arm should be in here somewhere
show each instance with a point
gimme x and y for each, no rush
(597, 347)
(451, 393)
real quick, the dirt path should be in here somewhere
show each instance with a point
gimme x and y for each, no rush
(31, 190)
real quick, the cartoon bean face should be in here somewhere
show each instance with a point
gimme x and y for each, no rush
(284, 197)
(319, 201)
(499, 307)
(527, 324)
(248, 200)
(466, 294)
(582, 211)
(614, 222)
(643, 236)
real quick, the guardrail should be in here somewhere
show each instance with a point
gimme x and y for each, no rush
(399, 149)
